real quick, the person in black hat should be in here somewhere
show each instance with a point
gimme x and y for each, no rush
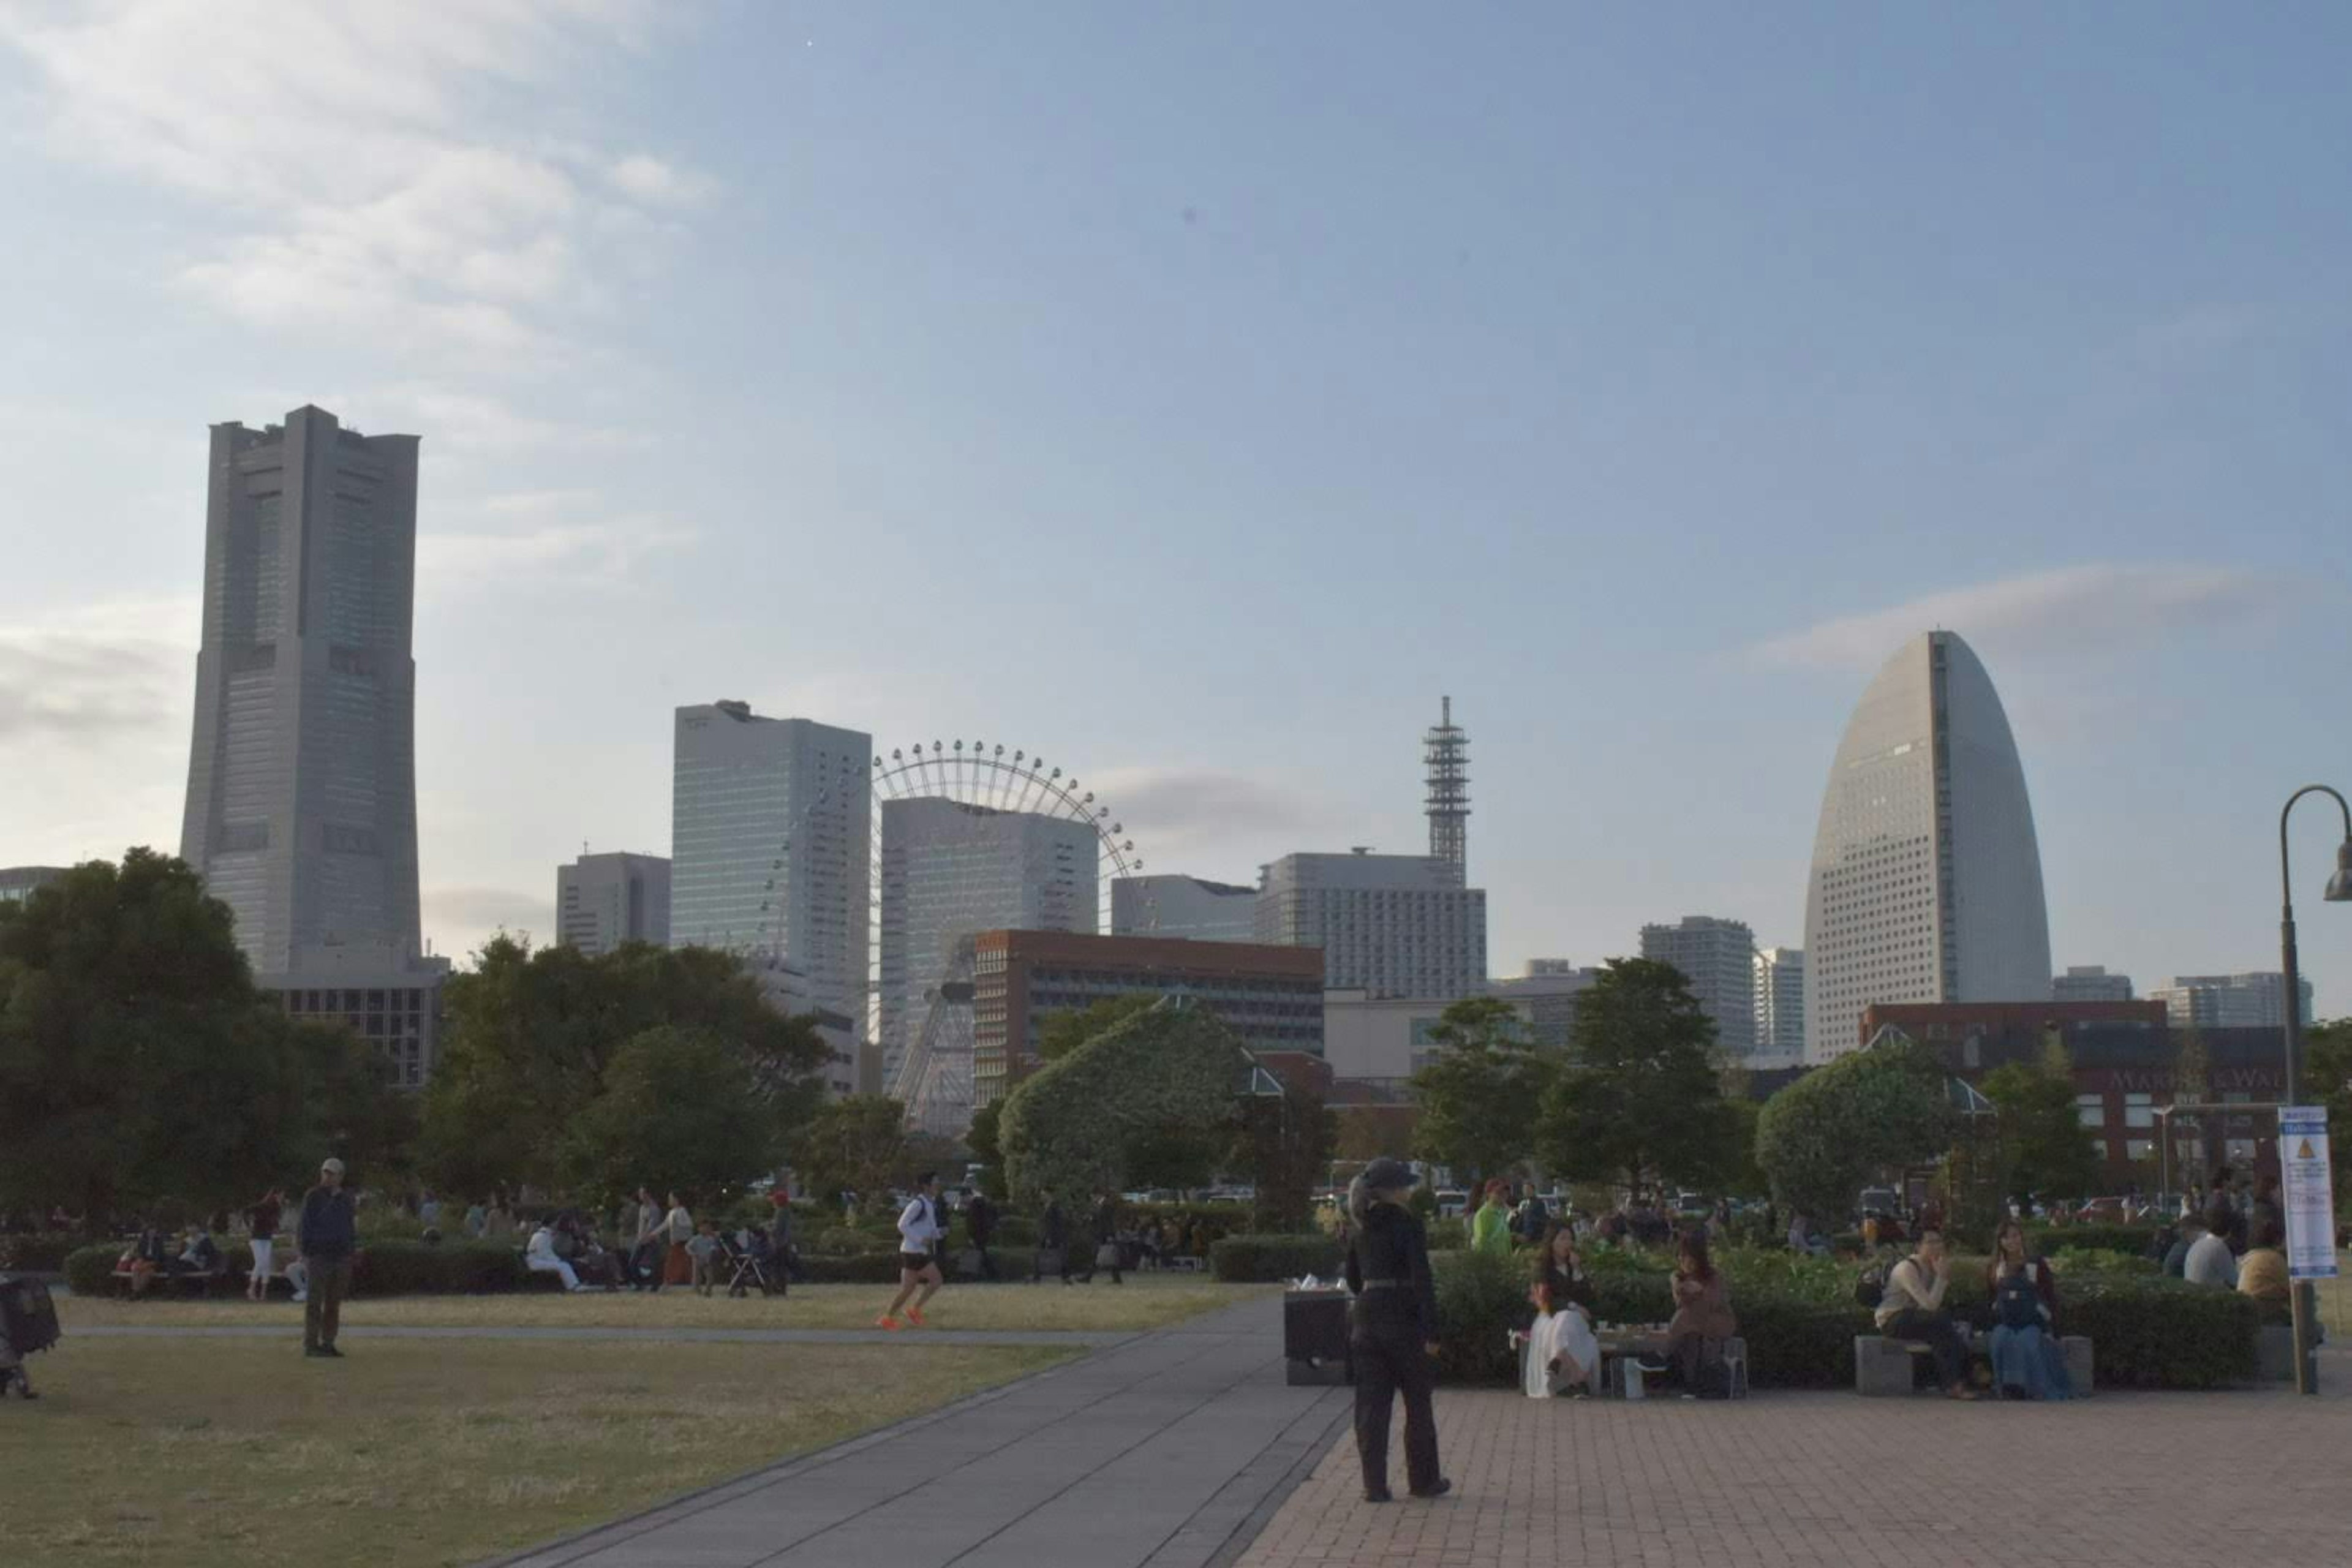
(1391, 1329)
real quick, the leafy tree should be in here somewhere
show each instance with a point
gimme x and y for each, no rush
(2043, 1145)
(677, 1110)
(1072, 1125)
(1478, 1096)
(2328, 1080)
(1642, 1102)
(1824, 1137)
(1285, 1142)
(855, 1142)
(529, 1037)
(985, 1149)
(138, 1060)
(1064, 1030)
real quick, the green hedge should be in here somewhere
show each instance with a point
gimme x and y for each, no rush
(2049, 1238)
(1270, 1259)
(42, 1253)
(89, 1271)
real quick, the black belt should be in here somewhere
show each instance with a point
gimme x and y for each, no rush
(1385, 1284)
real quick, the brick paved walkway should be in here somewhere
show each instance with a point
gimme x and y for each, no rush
(2131, 1481)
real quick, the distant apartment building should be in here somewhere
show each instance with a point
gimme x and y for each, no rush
(951, 870)
(2255, 1001)
(1383, 1040)
(1271, 996)
(2090, 983)
(605, 901)
(1548, 993)
(1718, 956)
(1175, 906)
(1780, 1007)
(302, 801)
(1390, 925)
(770, 850)
(18, 882)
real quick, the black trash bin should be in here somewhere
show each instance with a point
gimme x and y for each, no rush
(1315, 1337)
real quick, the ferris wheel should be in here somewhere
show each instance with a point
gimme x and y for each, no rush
(970, 839)
(961, 839)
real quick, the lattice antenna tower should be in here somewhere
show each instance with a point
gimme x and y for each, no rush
(1445, 754)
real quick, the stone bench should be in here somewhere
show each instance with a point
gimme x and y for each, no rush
(1884, 1367)
(2275, 1354)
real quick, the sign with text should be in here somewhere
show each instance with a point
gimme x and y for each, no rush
(2310, 1201)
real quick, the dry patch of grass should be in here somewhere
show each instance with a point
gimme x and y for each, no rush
(1144, 1301)
(409, 1453)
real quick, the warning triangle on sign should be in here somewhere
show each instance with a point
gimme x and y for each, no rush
(2304, 1153)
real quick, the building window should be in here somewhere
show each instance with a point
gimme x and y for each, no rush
(2139, 1111)
(2091, 1109)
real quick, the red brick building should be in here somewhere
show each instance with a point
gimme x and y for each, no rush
(1271, 996)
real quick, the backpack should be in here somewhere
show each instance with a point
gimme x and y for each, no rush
(1870, 1285)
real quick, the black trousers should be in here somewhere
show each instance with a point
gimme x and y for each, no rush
(1389, 1363)
(1942, 1340)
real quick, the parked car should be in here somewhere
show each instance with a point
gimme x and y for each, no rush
(1453, 1204)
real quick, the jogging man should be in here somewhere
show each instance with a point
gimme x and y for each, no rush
(918, 1266)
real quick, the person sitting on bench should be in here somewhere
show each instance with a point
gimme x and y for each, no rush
(1912, 1307)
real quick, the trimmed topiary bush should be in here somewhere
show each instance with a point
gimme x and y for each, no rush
(1068, 1126)
(89, 1271)
(1270, 1259)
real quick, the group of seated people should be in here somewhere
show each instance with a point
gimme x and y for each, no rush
(158, 1255)
(2028, 1360)
(1562, 1355)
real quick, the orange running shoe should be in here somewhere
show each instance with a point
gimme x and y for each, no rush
(915, 1316)
(885, 1321)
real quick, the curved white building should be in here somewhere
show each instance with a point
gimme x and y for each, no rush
(1926, 878)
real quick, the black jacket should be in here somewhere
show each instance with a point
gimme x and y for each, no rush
(1106, 1221)
(1566, 1289)
(1053, 1227)
(1390, 1247)
(980, 1220)
(329, 1230)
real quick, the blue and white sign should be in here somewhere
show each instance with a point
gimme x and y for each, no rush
(2310, 1200)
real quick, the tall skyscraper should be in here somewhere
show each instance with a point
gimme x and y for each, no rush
(2229, 1001)
(301, 805)
(1719, 958)
(771, 853)
(1926, 878)
(1445, 754)
(1175, 906)
(950, 870)
(1390, 925)
(2090, 983)
(1780, 1007)
(605, 901)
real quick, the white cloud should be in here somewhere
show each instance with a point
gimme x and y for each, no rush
(88, 675)
(593, 553)
(375, 164)
(2070, 610)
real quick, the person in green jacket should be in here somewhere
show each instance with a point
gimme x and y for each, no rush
(1490, 1227)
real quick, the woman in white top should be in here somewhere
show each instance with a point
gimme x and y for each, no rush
(918, 1266)
(1561, 1355)
(677, 1229)
(539, 1256)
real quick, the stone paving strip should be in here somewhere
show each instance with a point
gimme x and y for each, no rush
(1085, 1338)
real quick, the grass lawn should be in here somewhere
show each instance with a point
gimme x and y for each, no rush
(1145, 1301)
(411, 1452)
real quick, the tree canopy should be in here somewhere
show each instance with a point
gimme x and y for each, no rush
(1073, 1124)
(856, 1143)
(1478, 1094)
(1065, 1029)
(1825, 1136)
(2043, 1146)
(138, 1060)
(1641, 1102)
(530, 1036)
(678, 1110)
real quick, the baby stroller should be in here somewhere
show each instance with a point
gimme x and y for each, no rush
(753, 1260)
(28, 1322)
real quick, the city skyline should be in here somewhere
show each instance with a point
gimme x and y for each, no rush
(1677, 385)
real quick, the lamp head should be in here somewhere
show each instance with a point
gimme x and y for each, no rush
(2339, 886)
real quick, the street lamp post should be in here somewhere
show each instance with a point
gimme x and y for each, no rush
(2339, 890)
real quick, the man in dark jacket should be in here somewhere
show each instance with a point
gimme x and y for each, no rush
(1104, 1223)
(1391, 1329)
(328, 1233)
(980, 1222)
(1053, 1237)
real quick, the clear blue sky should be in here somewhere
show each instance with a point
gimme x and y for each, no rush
(1194, 393)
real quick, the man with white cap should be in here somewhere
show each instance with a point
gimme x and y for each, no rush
(329, 1233)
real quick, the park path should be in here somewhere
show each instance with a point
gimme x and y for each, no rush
(1167, 1449)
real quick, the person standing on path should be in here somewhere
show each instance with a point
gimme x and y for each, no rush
(1490, 1227)
(918, 1266)
(645, 1249)
(261, 1222)
(1052, 1239)
(1104, 1223)
(677, 1229)
(979, 1222)
(328, 1232)
(1391, 1329)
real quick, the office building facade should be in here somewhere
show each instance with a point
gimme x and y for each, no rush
(771, 853)
(1546, 993)
(1172, 906)
(2255, 1001)
(605, 901)
(1926, 883)
(18, 882)
(1270, 996)
(950, 870)
(1779, 1008)
(2090, 983)
(1391, 925)
(302, 801)
(1718, 957)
